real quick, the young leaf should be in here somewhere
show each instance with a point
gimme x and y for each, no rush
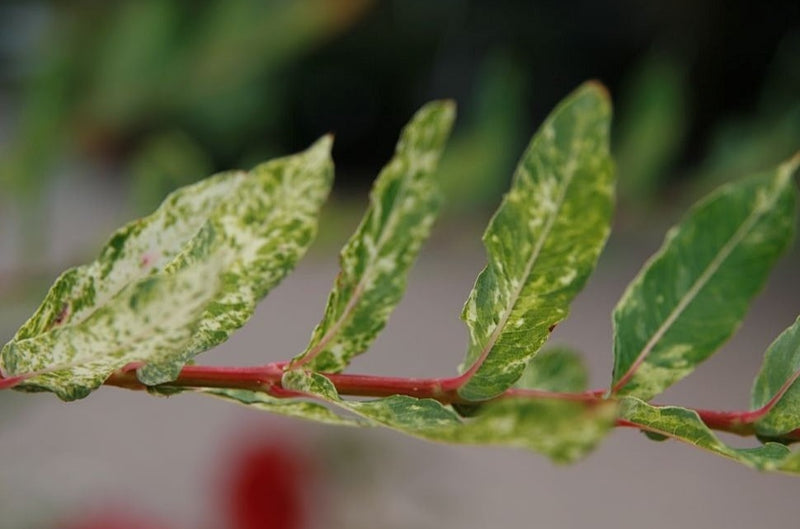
(253, 226)
(777, 380)
(375, 261)
(686, 426)
(147, 320)
(692, 295)
(558, 369)
(542, 243)
(563, 431)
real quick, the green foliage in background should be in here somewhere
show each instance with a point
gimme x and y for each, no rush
(180, 281)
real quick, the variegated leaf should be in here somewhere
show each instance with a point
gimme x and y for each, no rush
(147, 320)
(375, 261)
(542, 243)
(299, 409)
(692, 295)
(778, 379)
(254, 226)
(563, 431)
(266, 227)
(686, 426)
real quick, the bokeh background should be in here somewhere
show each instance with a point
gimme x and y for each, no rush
(107, 106)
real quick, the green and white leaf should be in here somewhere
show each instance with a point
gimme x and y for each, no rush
(253, 226)
(686, 426)
(147, 320)
(563, 431)
(295, 408)
(693, 293)
(375, 261)
(781, 367)
(542, 243)
(558, 369)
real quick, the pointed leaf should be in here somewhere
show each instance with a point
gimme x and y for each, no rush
(252, 226)
(147, 320)
(686, 426)
(375, 261)
(563, 431)
(692, 295)
(542, 243)
(558, 369)
(778, 379)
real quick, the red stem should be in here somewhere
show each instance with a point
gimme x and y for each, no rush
(445, 390)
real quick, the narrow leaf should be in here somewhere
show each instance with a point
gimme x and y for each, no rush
(147, 320)
(686, 426)
(252, 227)
(778, 380)
(299, 409)
(563, 431)
(542, 243)
(693, 294)
(375, 261)
(558, 369)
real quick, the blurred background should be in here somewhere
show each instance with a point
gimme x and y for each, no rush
(107, 106)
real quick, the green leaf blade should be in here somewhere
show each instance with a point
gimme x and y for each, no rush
(375, 261)
(542, 243)
(558, 369)
(692, 295)
(686, 426)
(777, 379)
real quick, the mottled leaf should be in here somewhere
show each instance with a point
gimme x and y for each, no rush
(686, 426)
(254, 226)
(375, 261)
(147, 320)
(558, 369)
(542, 243)
(265, 228)
(563, 431)
(692, 295)
(778, 379)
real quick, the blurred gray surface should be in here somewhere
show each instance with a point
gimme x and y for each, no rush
(163, 455)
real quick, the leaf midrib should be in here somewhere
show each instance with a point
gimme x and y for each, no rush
(569, 170)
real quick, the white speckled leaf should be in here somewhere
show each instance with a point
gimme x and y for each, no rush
(781, 366)
(374, 263)
(686, 426)
(563, 431)
(558, 369)
(147, 320)
(254, 226)
(692, 295)
(542, 243)
(265, 229)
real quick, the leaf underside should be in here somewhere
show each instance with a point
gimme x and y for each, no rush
(686, 426)
(375, 261)
(562, 431)
(204, 259)
(694, 292)
(542, 243)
